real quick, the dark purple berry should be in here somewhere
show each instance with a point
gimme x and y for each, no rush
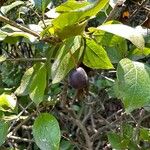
(78, 78)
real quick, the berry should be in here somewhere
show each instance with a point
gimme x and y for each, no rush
(78, 78)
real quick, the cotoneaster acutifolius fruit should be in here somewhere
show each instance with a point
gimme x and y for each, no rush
(78, 78)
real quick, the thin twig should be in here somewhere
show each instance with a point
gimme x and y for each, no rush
(20, 139)
(20, 115)
(21, 27)
(26, 59)
(23, 122)
(85, 133)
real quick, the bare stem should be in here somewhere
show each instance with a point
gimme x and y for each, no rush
(21, 27)
(26, 59)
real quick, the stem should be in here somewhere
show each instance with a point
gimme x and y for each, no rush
(21, 27)
(20, 139)
(27, 30)
(26, 59)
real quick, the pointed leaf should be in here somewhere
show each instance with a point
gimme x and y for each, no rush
(133, 84)
(46, 132)
(38, 83)
(3, 131)
(126, 32)
(95, 56)
(78, 15)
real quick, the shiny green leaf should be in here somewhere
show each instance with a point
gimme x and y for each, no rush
(95, 56)
(78, 15)
(71, 5)
(126, 32)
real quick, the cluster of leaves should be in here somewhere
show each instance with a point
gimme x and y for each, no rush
(61, 42)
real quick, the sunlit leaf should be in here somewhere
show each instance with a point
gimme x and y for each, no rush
(71, 5)
(46, 132)
(126, 32)
(7, 102)
(95, 56)
(115, 46)
(78, 15)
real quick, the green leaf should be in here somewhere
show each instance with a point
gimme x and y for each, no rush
(78, 15)
(95, 56)
(92, 9)
(3, 131)
(127, 131)
(41, 4)
(7, 102)
(126, 32)
(76, 29)
(23, 89)
(115, 46)
(136, 53)
(117, 142)
(133, 84)
(145, 134)
(70, 5)
(65, 62)
(6, 9)
(46, 132)
(38, 83)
